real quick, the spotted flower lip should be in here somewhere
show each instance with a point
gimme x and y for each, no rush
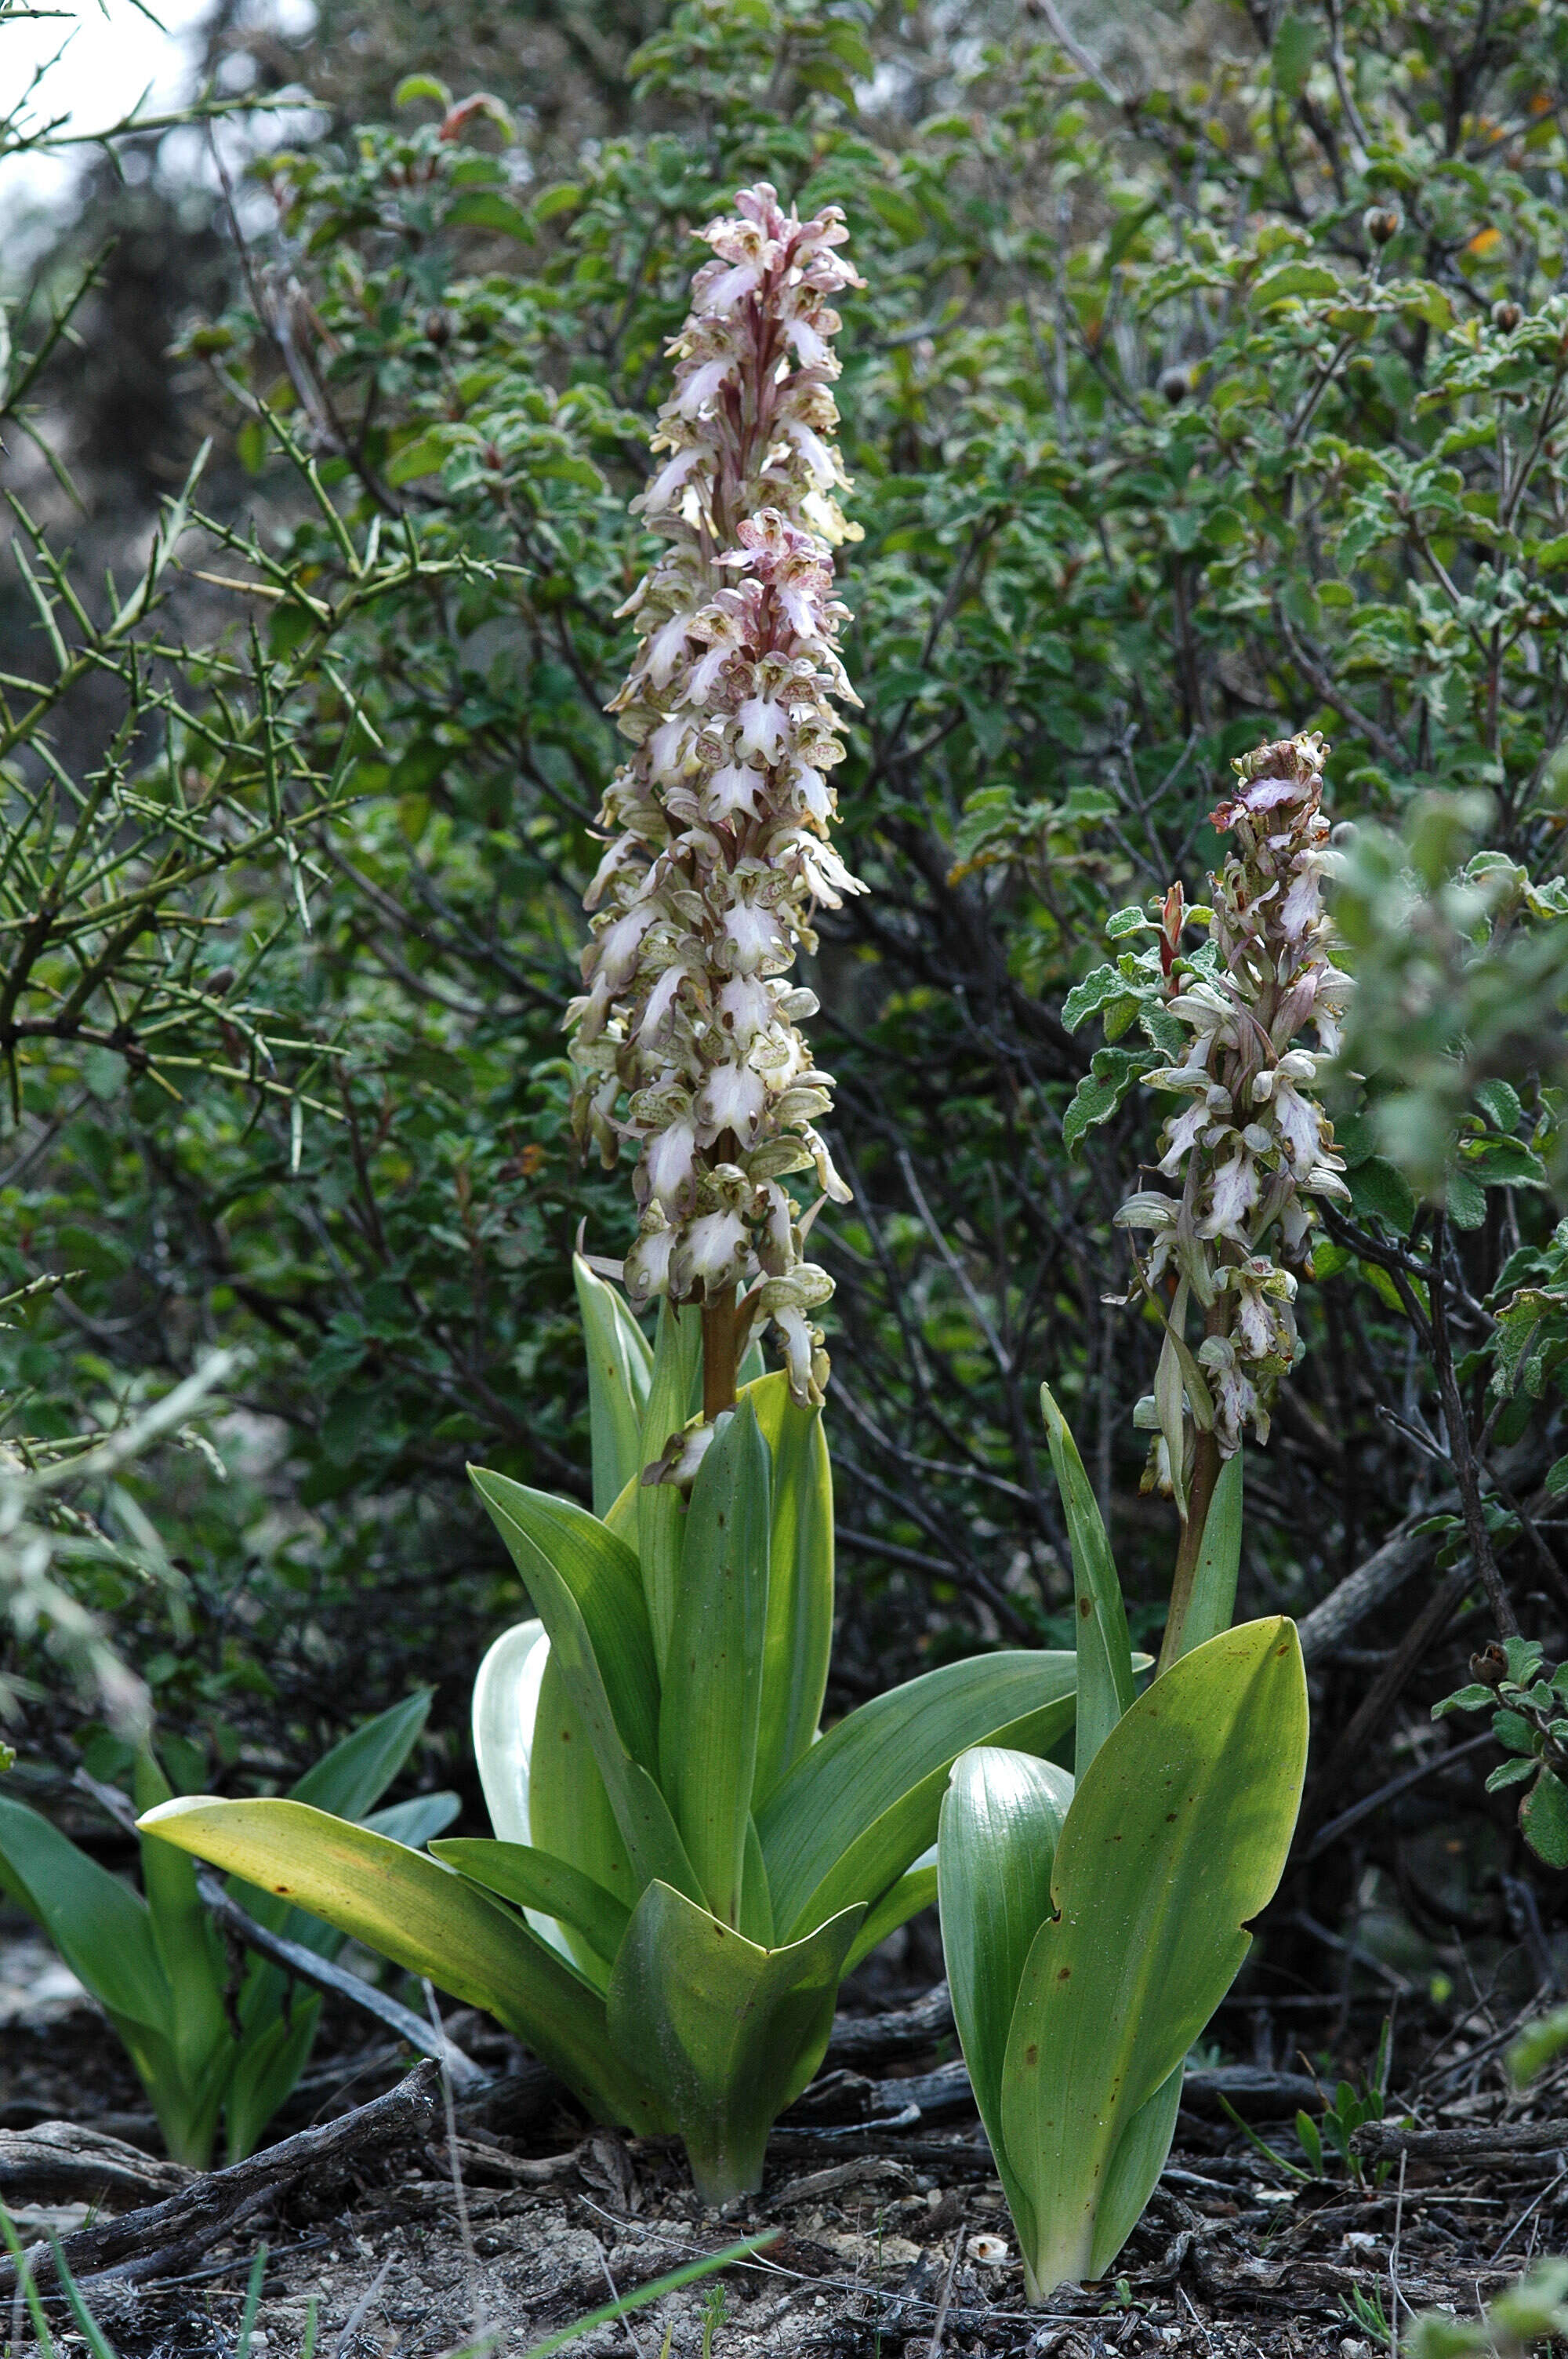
(1250, 1148)
(685, 1037)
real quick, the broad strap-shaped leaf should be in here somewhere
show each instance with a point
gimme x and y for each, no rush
(619, 1368)
(1001, 1818)
(416, 1819)
(861, 1805)
(580, 1576)
(1133, 2172)
(190, 1948)
(713, 1671)
(570, 1810)
(726, 2032)
(351, 1780)
(1105, 1655)
(585, 1585)
(100, 1927)
(536, 1879)
(1177, 1835)
(426, 1918)
(506, 1706)
(268, 2065)
(800, 1582)
(661, 1510)
(906, 1899)
(1212, 1605)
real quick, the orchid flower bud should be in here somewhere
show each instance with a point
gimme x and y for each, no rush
(686, 1039)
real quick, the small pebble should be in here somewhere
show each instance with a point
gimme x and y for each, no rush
(990, 2251)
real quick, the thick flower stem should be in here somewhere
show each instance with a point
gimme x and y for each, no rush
(720, 1336)
(1206, 1474)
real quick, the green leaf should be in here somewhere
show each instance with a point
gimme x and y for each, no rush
(271, 2059)
(1177, 1835)
(1543, 1819)
(903, 1901)
(1104, 1652)
(536, 1880)
(426, 1918)
(573, 1567)
(1465, 1199)
(1378, 1187)
(1295, 282)
(800, 1581)
(1512, 1773)
(713, 1672)
(99, 1926)
(1296, 41)
(1001, 1818)
(862, 1804)
(422, 85)
(620, 1370)
(351, 1778)
(570, 1810)
(190, 1950)
(487, 209)
(1096, 990)
(1500, 1103)
(506, 1703)
(726, 2033)
(585, 1584)
(661, 1510)
(1212, 1605)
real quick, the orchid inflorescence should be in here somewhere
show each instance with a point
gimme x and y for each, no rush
(1251, 1148)
(686, 1037)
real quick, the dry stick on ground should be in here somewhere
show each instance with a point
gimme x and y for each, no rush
(169, 2234)
(1378, 2140)
(862, 2039)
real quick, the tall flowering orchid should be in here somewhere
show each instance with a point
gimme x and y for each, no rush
(686, 1036)
(1251, 1149)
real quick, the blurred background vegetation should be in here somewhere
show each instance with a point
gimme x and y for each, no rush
(1210, 382)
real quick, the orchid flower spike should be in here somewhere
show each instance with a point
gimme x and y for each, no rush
(685, 1038)
(1250, 1149)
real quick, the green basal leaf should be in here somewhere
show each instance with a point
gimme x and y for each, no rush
(579, 1573)
(800, 1582)
(570, 1810)
(585, 1585)
(426, 1918)
(190, 1948)
(1177, 1835)
(351, 1780)
(906, 1899)
(99, 1926)
(1103, 1653)
(661, 1510)
(536, 1880)
(713, 1671)
(1212, 1605)
(862, 1804)
(1001, 1818)
(505, 1705)
(726, 2033)
(620, 1371)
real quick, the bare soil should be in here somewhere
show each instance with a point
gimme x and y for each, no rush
(886, 2240)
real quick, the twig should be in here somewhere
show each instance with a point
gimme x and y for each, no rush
(1395, 1787)
(1383, 2140)
(163, 2237)
(361, 2310)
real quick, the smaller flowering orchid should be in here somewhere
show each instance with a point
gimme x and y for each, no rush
(685, 1037)
(1251, 1148)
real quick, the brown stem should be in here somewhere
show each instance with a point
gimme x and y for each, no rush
(1206, 1474)
(719, 1357)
